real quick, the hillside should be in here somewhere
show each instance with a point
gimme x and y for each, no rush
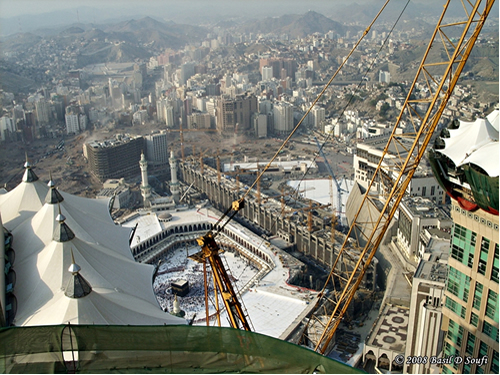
(297, 26)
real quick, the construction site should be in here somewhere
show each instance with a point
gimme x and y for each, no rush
(276, 236)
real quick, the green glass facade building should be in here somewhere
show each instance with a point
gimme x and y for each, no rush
(465, 162)
(471, 296)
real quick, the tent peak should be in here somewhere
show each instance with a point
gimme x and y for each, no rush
(29, 175)
(53, 196)
(62, 233)
(77, 286)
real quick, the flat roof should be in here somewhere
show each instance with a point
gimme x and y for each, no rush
(391, 329)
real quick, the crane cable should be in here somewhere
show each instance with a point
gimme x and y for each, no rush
(329, 135)
(320, 95)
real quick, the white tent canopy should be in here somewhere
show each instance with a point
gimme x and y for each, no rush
(120, 290)
(475, 143)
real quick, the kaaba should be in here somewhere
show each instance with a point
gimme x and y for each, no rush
(180, 288)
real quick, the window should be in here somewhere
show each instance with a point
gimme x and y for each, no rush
(469, 348)
(449, 349)
(492, 306)
(478, 294)
(458, 284)
(455, 333)
(483, 349)
(483, 257)
(446, 370)
(490, 330)
(432, 190)
(494, 363)
(463, 245)
(474, 319)
(455, 307)
(494, 268)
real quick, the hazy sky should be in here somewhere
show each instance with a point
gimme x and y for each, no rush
(13, 8)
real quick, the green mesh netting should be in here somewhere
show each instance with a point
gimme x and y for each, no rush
(484, 188)
(154, 349)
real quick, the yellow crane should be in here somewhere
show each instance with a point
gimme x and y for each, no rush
(399, 161)
(392, 176)
(181, 134)
(223, 286)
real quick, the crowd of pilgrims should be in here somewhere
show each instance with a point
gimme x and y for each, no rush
(176, 266)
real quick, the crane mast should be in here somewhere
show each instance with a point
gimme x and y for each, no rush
(223, 286)
(400, 159)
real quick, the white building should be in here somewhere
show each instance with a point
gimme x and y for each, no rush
(6, 127)
(198, 121)
(319, 116)
(425, 337)
(260, 125)
(165, 112)
(42, 111)
(283, 117)
(367, 157)
(384, 77)
(72, 124)
(117, 189)
(157, 147)
(415, 215)
(82, 121)
(140, 117)
(267, 73)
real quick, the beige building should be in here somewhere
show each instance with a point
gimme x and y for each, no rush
(232, 114)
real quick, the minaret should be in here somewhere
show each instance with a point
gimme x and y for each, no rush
(177, 308)
(145, 188)
(174, 184)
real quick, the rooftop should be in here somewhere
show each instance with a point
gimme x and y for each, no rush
(391, 329)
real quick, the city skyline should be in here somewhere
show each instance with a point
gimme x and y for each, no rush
(170, 114)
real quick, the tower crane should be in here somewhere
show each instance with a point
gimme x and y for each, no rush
(181, 135)
(400, 158)
(392, 176)
(210, 253)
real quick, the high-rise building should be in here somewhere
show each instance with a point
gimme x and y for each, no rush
(42, 111)
(465, 160)
(232, 113)
(425, 337)
(384, 77)
(187, 71)
(198, 121)
(319, 115)
(260, 125)
(6, 127)
(72, 124)
(368, 154)
(267, 73)
(115, 158)
(283, 118)
(157, 147)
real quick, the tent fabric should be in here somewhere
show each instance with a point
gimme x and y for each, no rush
(474, 143)
(484, 189)
(493, 119)
(155, 349)
(22, 202)
(122, 290)
(485, 157)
